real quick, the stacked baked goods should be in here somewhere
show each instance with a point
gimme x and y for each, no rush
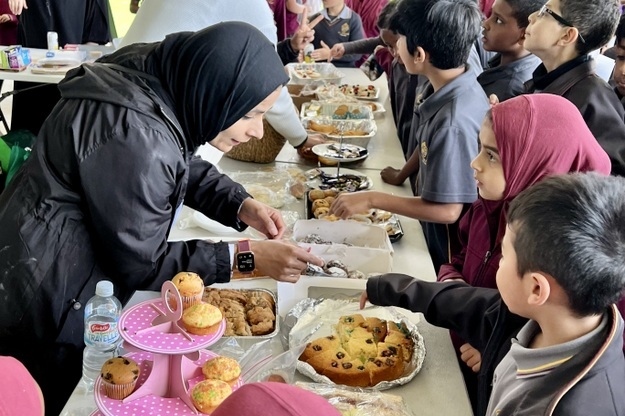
(247, 312)
(119, 377)
(202, 319)
(191, 287)
(221, 373)
(362, 352)
(208, 394)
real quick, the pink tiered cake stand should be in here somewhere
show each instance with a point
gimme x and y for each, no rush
(170, 359)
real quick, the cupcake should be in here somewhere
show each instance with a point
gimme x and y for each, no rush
(202, 319)
(208, 394)
(119, 376)
(222, 368)
(191, 288)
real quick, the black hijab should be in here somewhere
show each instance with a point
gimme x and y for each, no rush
(212, 77)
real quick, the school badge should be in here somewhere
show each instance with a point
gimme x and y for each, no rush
(424, 153)
(344, 30)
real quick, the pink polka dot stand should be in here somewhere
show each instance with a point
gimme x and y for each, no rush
(150, 404)
(135, 324)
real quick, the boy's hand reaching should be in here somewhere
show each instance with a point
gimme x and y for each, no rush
(338, 51)
(392, 176)
(471, 357)
(363, 299)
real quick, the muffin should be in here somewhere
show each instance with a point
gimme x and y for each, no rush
(191, 288)
(119, 377)
(222, 368)
(208, 394)
(202, 319)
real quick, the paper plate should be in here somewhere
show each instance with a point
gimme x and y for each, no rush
(344, 153)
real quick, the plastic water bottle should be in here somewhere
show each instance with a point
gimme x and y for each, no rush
(101, 332)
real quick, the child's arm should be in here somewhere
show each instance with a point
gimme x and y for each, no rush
(467, 310)
(454, 270)
(294, 7)
(348, 204)
(393, 176)
(385, 59)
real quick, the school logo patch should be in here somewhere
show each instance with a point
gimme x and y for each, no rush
(424, 153)
(344, 29)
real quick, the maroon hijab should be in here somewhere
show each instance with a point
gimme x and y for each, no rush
(540, 135)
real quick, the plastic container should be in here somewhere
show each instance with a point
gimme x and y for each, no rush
(102, 337)
(53, 41)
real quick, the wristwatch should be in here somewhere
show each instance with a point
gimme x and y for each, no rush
(245, 257)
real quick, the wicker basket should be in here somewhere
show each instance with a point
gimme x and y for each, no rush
(263, 150)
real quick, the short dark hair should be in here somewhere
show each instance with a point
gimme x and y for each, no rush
(596, 21)
(521, 10)
(445, 29)
(384, 19)
(572, 227)
(620, 30)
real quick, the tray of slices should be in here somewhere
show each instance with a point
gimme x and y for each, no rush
(315, 73)
(318, 205)
(337, 111)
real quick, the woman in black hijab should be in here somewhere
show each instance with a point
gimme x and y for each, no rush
(111, 166)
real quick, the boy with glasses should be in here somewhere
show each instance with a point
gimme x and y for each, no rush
(562, 34)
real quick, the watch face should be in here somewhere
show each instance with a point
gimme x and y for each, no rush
(245, 262)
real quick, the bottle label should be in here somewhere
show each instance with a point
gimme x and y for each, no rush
(102, 333)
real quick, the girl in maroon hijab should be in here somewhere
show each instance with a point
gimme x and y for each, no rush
(523, 140)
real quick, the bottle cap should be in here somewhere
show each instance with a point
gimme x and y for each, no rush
(104, 288)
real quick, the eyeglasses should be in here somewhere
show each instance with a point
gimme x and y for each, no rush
(559, 18)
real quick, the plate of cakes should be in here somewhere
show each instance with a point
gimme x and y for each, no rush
(371, 348)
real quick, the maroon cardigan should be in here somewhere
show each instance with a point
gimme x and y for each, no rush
(8, 30)
(478, 261)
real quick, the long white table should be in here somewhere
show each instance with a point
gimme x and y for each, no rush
(439, 388)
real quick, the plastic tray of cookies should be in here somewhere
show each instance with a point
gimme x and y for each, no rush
(315, 73)
(243, 319)
(338, 111)
(358, 132)
(389, 221)
(315, 319)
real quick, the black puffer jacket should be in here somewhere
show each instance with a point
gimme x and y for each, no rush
(96, 200)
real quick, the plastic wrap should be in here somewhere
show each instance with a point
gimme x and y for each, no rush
(358, 402)
(314, 318)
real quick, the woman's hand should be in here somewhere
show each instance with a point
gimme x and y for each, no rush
(471, 357)
(5, 18)
(391, 176)
(314, 139)
(262, 217)
(281, 260)
(347, 204)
